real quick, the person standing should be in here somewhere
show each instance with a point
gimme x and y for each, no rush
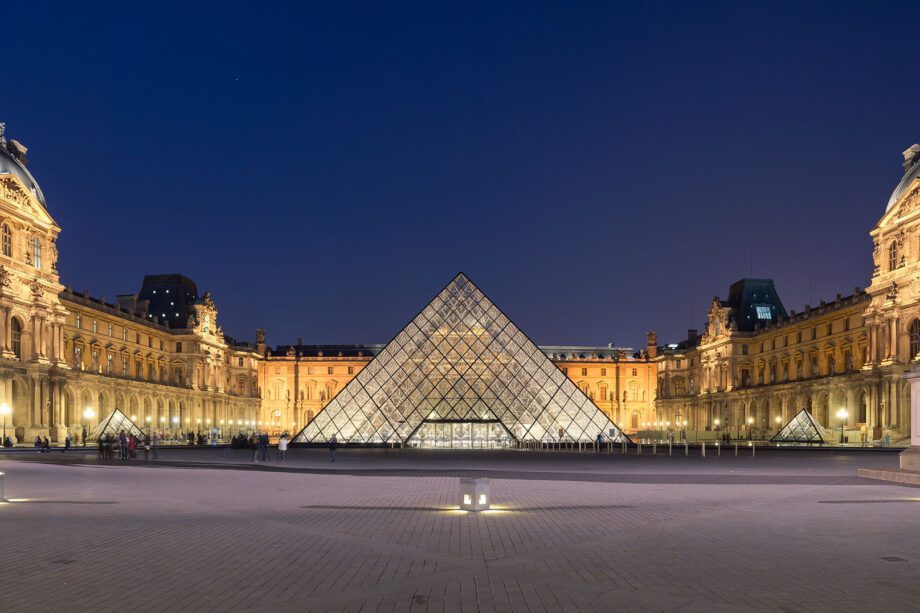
(84, 436)
(254, 446)
(132, 447)
(66, 444)
(282, 447)
(122, 445)
(46, 445)
(333, 445)
(38, 444)
(156, 445)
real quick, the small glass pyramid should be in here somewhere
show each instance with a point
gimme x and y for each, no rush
(115, 422)
(460, 375)
(803, 428)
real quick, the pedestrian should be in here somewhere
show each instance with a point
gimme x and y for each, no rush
(254, 446)
(132, 447)
(38, 444)
(333, 445)
(156, 445)
(66, 444)
(122, 445)
(84, 436)
(282, 447)
(266, 447)
(46, 445)
(600, 441)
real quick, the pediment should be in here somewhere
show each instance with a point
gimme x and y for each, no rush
(908, 205)
(14, 192)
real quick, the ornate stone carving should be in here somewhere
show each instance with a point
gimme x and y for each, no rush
(892, 292)
(12, 191)
(36, 287)
(5, 280)
(206, 300)
(192, 322)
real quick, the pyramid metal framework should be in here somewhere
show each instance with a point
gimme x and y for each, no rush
(115, 422)
(460, 361)
(803, 428)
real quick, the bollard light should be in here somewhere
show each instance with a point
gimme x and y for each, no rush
(474, 494)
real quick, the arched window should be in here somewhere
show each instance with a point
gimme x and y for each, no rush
(914, 338)
(16, 337)
(893, 255)
(7, 241)
(36, 252)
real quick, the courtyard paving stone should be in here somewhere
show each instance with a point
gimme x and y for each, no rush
(792, 531)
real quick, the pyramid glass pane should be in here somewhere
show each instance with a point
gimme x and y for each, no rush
(460, 375)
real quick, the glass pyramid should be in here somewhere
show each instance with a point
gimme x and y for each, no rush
(803, 428)
(460, 374)
(115, 422)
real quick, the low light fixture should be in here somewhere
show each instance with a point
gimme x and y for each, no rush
(474, 494)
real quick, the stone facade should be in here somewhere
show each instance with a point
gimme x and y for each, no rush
(68, 359)
(850, 354)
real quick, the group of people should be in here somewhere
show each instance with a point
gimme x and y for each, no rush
(261, 447)
(126, 444)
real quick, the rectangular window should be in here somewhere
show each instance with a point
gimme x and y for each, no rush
(603, 372)
(124, 366)
(161, 344)
(830, 329)
(37, 253)
(351, 370)
(137, 338)
(79, 322)
(763, 312)
(241, 362)
(78, 357)
(565, 371)
(744, 349)
(329, 370)
(110, 362)
(584, 372)
(179, 347)
(124, 334)
(798, 336)
(635, 372)
(111, 330)
(678, 363)
(95, 326)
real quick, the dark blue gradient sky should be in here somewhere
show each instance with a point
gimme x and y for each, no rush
(599, 170)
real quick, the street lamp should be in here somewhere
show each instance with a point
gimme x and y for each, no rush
(842, 415)
(88, 414)
(4, 410)
(778, 420)
(175, 421)
(750, 423)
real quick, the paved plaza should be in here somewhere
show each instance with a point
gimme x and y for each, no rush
(790, 530)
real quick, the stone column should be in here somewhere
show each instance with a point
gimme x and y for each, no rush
(910, 458)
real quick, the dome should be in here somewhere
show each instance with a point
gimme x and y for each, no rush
(912, 173)
(11, 166)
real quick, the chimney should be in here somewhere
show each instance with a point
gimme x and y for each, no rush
(911, 155)
(651, 344)
(691, 336)
(299, 341)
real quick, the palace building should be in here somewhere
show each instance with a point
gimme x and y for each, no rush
(756, 366)
(68, 359)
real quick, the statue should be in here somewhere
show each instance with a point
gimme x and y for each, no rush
(260, 336)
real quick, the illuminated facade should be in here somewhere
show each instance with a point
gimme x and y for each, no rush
(67, 359)
(755, 367)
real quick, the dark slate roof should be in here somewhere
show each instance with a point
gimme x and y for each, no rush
(328, 351)
(171, 298)
(746, 295)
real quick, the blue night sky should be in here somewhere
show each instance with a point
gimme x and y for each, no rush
(598, 170)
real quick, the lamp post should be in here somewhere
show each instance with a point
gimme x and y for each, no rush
(147, 419)
(778, 420)
(4, 410)
(750, 424)
(175, 421)
(842, 415)
(88, 414)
